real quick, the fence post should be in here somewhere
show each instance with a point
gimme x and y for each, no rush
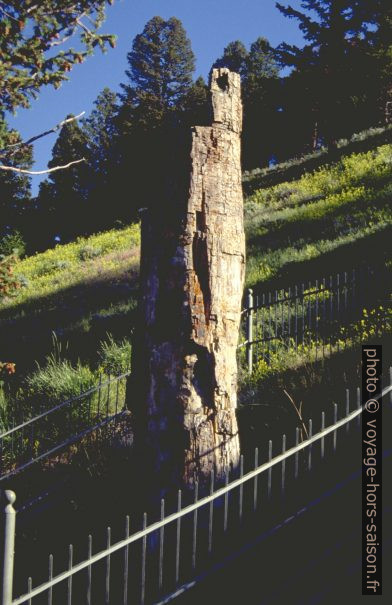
(249, 331)
(8, 545)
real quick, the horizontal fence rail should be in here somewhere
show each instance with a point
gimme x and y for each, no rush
(38, 437)
(310, 318)
(165, 545)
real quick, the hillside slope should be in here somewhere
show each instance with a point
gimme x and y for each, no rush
(332, 219)
(327, 221)
(80, 291)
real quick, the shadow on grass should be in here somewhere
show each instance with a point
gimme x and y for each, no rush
(312, 229)
(374, 250)
(80, 316)
(265, 411)
(302, 166)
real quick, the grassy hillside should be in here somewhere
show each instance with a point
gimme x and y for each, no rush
(52, 273)
(80, 291)
(294, 168)
(332, 219)
(328, 220)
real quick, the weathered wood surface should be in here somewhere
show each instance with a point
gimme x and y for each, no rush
(192, 277)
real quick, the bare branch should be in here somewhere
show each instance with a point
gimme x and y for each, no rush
(62, 40)
(83, 26)
(15, 146)
(32, 8)
(7, 14)
(33, 172)
(72, 28)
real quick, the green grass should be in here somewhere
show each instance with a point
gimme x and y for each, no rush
(293, 168)
(321, 221)
(331, 219)
(80, 291)
(102, 257)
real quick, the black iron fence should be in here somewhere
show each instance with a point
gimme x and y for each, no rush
(33, 437)
(312, 318)
(169, 552)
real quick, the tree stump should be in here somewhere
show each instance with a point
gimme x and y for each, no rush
(184, 390)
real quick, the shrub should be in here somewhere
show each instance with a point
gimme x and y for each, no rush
(12, 243)
(58, 381)
(89, 252)
(50, 266)
(9, 283)
(7, 370)
(115, 357)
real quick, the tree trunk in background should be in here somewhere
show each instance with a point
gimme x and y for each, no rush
(192, 278)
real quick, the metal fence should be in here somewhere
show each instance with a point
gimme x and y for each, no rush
(37, 437)
(307, 318)
(163, 557)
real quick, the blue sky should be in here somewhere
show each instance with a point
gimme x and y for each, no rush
(210, 24)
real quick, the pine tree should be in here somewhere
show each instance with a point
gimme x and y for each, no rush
(15, 189)
(161, 64)
(261, 67)
(379, 39)
(195, 106)
(100, 129)
(35, 52)
(101, 132)
(326, 71)
(260, 88)
(234, 57)
(63, 197)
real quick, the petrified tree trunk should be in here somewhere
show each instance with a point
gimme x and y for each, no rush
(192, 277)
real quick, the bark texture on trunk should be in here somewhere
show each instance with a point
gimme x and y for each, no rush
(192, 278)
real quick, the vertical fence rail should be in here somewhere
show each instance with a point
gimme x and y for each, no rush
(89, 569)
(194, 530)
(8, 547)
(249, 334)
(161, 551)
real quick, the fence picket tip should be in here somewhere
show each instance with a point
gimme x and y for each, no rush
(10, 498)
(8, 546)
(29, 587)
